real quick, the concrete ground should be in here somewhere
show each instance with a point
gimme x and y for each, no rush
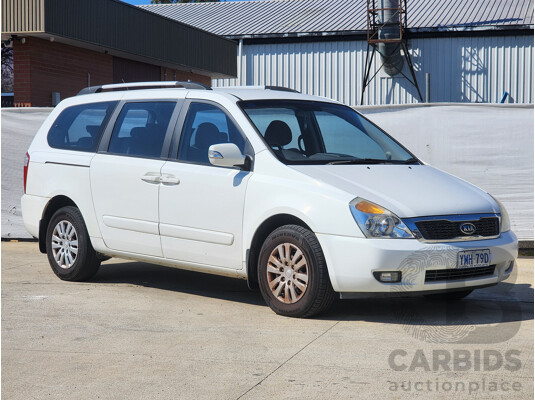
(139, 331)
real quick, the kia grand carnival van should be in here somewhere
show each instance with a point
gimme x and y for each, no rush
(300, 195)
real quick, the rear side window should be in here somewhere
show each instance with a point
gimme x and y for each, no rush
(80, 127)
(140, 129)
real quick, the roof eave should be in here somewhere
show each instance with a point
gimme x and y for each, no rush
(437, 30)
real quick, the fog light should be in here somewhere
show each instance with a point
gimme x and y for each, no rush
(388, 277)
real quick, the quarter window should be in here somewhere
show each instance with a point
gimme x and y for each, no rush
(80, 127)
(140, 129)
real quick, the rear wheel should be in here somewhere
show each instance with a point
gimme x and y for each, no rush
(292, 273)
(449, 296)
(68, 247)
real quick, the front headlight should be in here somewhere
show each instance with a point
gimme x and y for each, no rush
(505, 224)
(377, 222)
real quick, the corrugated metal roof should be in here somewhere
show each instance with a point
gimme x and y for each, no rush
(284, 17)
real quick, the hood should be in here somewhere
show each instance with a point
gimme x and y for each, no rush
(407, 191)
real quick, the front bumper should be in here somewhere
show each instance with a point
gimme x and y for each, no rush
(351, 262)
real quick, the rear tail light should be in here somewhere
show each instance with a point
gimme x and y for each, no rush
(26, 164)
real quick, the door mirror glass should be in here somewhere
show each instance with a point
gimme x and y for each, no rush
(226, 155)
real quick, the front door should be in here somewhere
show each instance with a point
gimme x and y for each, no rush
(201, 217)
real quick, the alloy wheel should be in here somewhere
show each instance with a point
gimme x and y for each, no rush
(65, 244)
(287, 273)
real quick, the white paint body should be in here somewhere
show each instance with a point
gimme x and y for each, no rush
(204, 218)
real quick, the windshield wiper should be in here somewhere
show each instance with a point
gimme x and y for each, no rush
(410, 161)
(360, 161)
(373, 161)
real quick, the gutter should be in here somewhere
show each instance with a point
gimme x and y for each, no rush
(487, 29)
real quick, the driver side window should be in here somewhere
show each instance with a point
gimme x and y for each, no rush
(263, 119)
(206, 125)
(281, 131)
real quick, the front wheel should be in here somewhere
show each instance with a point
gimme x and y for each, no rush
(68, 247)
(292, 273)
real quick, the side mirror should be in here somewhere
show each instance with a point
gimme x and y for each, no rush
(228, 155)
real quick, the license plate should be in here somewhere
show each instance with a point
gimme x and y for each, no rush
(473, 258)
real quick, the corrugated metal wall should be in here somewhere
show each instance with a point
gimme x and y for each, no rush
(463, 69)
(22, 16)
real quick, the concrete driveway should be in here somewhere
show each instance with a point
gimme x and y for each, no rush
(140, 331)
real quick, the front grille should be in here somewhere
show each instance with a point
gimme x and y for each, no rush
(444, 229)
(435, 275)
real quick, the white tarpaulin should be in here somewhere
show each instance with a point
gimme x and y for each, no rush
(19, 125)
(490, 146)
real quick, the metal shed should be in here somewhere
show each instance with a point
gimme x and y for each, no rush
(474, 50)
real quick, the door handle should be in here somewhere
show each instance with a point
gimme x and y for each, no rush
(151, 177)
(168, 179)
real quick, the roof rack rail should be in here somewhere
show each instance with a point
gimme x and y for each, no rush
(260, 87)
(144, 85)
(281, 89)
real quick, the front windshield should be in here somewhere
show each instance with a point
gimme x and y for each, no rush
(310, 132)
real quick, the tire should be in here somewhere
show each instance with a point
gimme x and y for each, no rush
(79, 261)
(449, 296)
(300, 281)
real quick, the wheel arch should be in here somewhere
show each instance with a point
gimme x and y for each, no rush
(260, 235)
(52, 206)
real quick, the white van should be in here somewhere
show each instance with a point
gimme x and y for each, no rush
(300, 195)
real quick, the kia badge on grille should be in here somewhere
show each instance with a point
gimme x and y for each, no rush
(467, 228)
